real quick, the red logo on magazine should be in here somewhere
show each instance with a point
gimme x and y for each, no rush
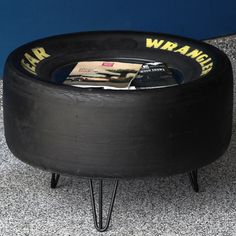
(108, 64)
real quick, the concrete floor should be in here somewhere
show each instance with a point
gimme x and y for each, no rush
(150, 206)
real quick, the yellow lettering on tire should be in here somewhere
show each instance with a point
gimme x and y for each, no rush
(195, 53)
(28, 67)
(201, 58)
(29, 62)
(169, 46)
(153, 43)
(183, 50)
(33, 61)
(40, 53)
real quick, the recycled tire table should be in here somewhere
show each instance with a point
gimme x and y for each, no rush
(102, 133)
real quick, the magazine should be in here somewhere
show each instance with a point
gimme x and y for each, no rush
(105, 74)
(121, 75)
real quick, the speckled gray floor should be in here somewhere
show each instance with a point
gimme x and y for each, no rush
(153, 206)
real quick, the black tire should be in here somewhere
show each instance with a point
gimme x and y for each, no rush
(113, 133)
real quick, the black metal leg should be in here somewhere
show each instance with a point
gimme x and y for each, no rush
(193, 179)
(54, 180)
(98, 223)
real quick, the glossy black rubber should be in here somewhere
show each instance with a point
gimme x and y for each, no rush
(107, 133)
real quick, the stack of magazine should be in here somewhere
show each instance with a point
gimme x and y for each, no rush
(120, 75)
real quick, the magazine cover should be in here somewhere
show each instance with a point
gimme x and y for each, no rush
(105, 74)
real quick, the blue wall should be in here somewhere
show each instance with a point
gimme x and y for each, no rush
(24, 20)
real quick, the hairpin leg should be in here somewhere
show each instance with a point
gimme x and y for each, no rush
(54, 180)
(98, 223)
(193, 179)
